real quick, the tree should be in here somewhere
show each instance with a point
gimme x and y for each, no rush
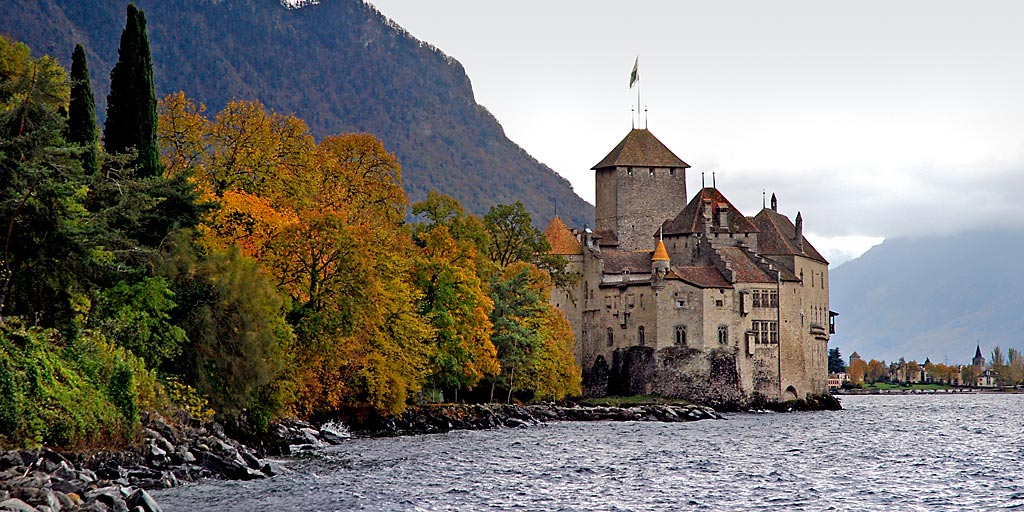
(969, 375)
(82, 112)
(456, 304)
(913, 372)
(515, 302)
(835, 361)
(875, 370)
(131, 105)
(513, 236)
(44, 228)
(1014, 367)
(239, 345)
(998, 366)
(856, 371)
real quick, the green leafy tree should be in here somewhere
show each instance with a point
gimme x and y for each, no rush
(138, 316)
(131, 105)
(513, 237)
(82, 112)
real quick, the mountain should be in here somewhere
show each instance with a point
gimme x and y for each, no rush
(932, 297)
(340, 65)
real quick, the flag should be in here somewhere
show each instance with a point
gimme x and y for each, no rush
(635, 75)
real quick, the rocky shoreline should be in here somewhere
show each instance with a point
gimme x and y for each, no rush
(181, 451)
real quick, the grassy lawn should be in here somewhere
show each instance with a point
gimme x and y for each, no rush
(886, 385)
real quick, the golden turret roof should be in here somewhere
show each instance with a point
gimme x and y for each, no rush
(660, 253)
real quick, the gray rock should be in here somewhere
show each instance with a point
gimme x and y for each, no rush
(65, 501)
(16, 505)
(156, 453)
(141, 499)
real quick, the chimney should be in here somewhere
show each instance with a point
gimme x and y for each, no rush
(799, 237)
(707, 217)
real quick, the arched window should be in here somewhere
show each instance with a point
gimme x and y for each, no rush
(640, 336)
(680, 335)
(723, 335)
(611, 337)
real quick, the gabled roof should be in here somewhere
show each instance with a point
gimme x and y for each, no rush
(637, 262)
(563, 242)
(641, 148)
(691, 219)
(778, 237)
(701, 277)
(744, 269)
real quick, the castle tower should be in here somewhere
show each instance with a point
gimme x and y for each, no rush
(639, 185)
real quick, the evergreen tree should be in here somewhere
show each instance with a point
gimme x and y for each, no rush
(131, 104)
(82, 111)
(835, 361)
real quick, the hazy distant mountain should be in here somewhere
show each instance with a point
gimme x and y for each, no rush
(932, 297)
(340, 65)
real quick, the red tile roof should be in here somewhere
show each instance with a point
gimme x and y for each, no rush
(701, 277)
(691, 219)
(778, 237)
(637, 262)
(641, 148)
(744, 269)
(562, 241)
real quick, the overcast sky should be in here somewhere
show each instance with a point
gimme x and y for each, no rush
(876, 119)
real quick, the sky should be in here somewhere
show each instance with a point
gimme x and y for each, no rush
(875, 119)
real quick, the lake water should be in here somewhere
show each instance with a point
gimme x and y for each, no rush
(913, 452)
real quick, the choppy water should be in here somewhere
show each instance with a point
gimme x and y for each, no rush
(918, 452)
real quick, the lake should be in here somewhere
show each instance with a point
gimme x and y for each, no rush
(906, 452)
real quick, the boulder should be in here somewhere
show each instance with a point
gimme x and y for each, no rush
(16, 505)
(141, 499)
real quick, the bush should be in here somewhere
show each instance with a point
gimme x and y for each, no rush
(122, 392)
(75, 395)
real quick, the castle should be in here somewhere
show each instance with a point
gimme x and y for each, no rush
(690, 299)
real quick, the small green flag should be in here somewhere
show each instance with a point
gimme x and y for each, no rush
(635, 75)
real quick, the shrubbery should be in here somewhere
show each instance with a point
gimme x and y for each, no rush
(74, 395)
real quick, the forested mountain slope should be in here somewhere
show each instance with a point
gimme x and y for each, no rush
(340, 65)
(933, 297)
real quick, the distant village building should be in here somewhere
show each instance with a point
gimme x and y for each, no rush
(836, 380)
(691, 298)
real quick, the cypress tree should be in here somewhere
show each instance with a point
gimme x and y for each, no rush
(82, 111)
(131, 104)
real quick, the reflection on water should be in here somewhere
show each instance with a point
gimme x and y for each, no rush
(916, 452)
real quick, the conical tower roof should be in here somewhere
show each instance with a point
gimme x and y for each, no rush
(660, 253)
(563, 242)
(641, 148)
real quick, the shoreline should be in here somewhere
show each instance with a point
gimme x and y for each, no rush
(949, 391)
(175, 453)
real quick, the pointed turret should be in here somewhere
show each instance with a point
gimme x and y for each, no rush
(798, 238)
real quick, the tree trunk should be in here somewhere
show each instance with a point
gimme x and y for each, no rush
(511, 380)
